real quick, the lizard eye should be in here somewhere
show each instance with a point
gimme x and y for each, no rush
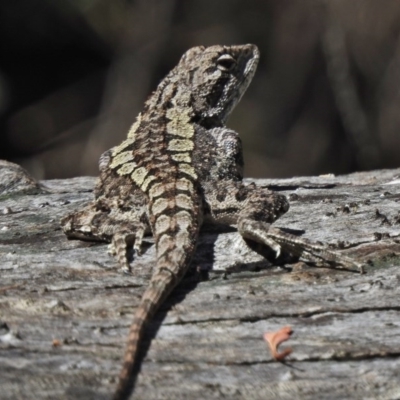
(226, 63)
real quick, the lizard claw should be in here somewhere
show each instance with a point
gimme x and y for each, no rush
(126, 269)
(274, 246)
(111, 249)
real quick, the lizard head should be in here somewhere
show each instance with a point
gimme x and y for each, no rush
(217, 77)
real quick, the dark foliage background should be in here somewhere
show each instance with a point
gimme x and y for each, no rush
(325, 99)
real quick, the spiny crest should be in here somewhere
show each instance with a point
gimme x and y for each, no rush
(203, 88)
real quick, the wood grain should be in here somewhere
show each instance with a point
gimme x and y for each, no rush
(65, 309)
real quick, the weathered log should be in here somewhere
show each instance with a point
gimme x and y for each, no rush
(65, 308)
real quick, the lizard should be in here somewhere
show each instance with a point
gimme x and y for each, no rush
(180, 167)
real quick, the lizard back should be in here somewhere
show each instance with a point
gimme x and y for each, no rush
(197, 94)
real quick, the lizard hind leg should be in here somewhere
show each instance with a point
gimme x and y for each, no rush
(258, 232)
(260, 210)
(254, 223)
(121, 241)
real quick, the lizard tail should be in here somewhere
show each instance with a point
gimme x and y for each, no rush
(160, 286)
(175, 237)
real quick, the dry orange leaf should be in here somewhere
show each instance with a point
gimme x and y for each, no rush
(274, 339)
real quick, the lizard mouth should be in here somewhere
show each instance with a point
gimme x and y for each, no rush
(253, 61)
(250, 59)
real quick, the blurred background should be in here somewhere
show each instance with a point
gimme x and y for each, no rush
(325, 99)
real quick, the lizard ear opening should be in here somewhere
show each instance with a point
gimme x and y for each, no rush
(226, 62)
